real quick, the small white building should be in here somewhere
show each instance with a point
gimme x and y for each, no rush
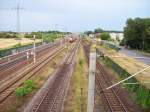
(91, 35)
(116, 36)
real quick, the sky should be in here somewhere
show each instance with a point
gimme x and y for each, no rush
(70, 15)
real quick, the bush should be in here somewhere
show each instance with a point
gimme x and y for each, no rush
(20, 92)
(29, 84)
(26, 89)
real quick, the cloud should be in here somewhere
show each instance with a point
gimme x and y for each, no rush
(77, 15)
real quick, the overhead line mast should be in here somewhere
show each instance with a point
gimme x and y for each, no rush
(18, 8)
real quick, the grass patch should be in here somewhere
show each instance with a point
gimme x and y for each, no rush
(77, 98)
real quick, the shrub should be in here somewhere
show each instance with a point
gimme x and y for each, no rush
(29, 84)
(20, 92)
(25, 89)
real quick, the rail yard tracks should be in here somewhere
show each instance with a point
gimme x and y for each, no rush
(113, 103)
(29, 71)
(12, 57)
(54, 92)
(19, 61)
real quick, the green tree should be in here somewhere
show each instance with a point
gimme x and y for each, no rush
(137, 33)
(98, 30)
(88, 32)
(105, 36)
(8, 35)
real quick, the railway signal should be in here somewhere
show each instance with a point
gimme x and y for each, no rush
(27, 55)
(34, 57)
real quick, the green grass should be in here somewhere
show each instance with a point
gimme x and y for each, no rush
(78, 95)
(79, 82)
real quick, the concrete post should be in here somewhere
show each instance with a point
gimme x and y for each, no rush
(91, 86)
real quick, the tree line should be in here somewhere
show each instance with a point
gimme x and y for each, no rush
(104, 35)
(100, 30)
(38, 34)
(137, 33)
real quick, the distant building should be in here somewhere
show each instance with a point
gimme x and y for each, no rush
(116, 36)
(91, 35)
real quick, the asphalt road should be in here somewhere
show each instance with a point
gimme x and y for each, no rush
(133, 53)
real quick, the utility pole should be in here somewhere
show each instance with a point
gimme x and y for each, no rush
(18, 18)
(34, 53)
(18, 8)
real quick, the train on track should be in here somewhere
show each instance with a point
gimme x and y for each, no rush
(72, 39)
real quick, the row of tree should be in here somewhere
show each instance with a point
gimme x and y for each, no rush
(100, 30)
(137, 33)
(104, 35)
(46, 36)
(97, 30)
(8, 35)
(30, 35)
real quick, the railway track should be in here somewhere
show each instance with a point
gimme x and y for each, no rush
(12, 57)
(112, 100)
(114, 103)
(8, 68)
(23, 52)
(9, 87)
(15, 57)
(55, 91)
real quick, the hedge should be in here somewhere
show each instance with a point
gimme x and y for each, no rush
(110, 45)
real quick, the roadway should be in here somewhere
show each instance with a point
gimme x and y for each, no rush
(133, 53)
